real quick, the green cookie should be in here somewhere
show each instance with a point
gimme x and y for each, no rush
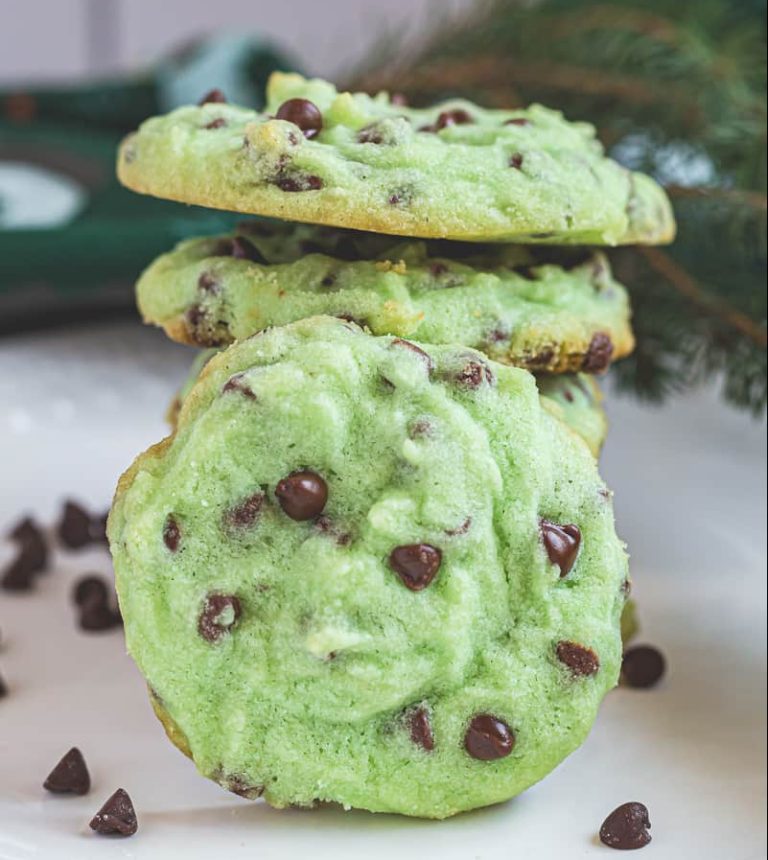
(545, 309)
(453, 171)
(346, 580)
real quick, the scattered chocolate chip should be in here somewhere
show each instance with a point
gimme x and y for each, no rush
(243, 515)
(568, 395)
(96, 617)
(460, 529)
(99, 528)
(219, 122)
(599, 354)
(437, 268)
(518, 120)
(213, 97)
(516, 160)
(420, 428)
(473, 374)
(642, 666)
(299, 182)
(26, 530)
(561, 543)
(326, 525)
(303, 113)
(302, 495)
(416, 564)
(406, 344)
(400, 196)
(240, 786)
(237, 384)
(626, 828)
(171, 533)
(244, 249)
(420, 728)
(582, 661)
(19, 574)
(488, 738)
(117, 817)
(74, 528)
(219, 614)
(453, 117)
(90, 589)
(371, 134)
(3, 688)
(626, 587)
(207, 283)
(70, 776)
(328, 281)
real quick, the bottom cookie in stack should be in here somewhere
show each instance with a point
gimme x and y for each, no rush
(346, 580)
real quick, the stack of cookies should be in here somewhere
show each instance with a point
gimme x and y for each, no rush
(374, 563)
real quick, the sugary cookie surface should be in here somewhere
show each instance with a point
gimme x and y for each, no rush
(369, 572)
(455, 170)
(545, 309)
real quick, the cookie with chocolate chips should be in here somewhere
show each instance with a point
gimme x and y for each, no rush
(446, 654)
(454, 170)
(545, 309)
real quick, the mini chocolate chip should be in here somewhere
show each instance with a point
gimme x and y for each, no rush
(303, 182)
(488, 738)
(30, 560)
(420, 428)
(460, 529)
(370, 134)
(96, 617)
(303, 113)
(90, 589)
(473, 374)
(328, 281)
(219, 614)
(219, 122)
(425, 357)
(516, 160)
(74, 528)
(626, 828)
(213, 97)
(242, 788)
(171, 533)
(3, 688)
(518, 120)
(582, 661)
(207, 283)
(626, 587)
(117, 817)
(561, 543)
(568, 395)
(420, 728)
(453, 117)
(26, 530)
(99, 528)
(599, 354)
(326, 525)
(237, 384)
(416, 564)
(244, 249)
(436, 269)
(642, 666)
(302, 495)
(70, 776)
(245, 513)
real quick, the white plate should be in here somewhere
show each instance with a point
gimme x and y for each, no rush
(690, 500)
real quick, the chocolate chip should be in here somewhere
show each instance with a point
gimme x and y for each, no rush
(30, 560)
(96, 617)
(516, 160)
(626, 828)
(326, 525)
(599, 354)
(518, 120)
(303, 113)
(74, 528)
(473, 374)
(540, 360)
(420, 728)
(453, 117)
(420, 428)
(400, 196)
(207, 283)
(436, 269)
(416, 564)
(219, 122)
(90, 589)
(582, 661)
(371, 134)
(244, 249)
(406, 344)
(237, 384)
(70, 776)
(219, 614)
(460, 529)
(171, 533)
(299, 182)
(488, 738)
(642, 666)
(3, 688)
(213, 97)
(302, 495)
(242, 788)
(561, 543)
(243, 515)
(99, 528)
(26, 530)
(117, 817)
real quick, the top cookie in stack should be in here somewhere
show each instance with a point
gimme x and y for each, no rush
(453, 171)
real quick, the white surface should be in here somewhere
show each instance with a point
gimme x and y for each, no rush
(690, 500)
